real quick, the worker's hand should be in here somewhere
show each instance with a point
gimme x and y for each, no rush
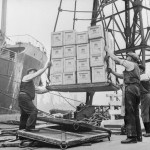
(49, 64)
(106, 48)
(109, 70)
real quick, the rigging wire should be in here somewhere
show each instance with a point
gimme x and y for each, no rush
(66, 100)
(66, 97)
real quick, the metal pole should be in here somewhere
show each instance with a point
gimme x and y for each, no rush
(59, 9)
(74, 14)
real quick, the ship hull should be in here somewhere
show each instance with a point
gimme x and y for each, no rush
(11, 72)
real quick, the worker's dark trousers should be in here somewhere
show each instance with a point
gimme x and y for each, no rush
(132, 101)
(28, 112)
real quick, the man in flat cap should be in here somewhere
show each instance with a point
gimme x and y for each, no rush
(27, 94)
(131, 77)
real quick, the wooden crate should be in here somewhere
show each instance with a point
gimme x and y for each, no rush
(57, 39)
(95, 31)
(99, 74)
(81, 37)
(97, 46)
(57, 66)
(57, 52)
(96, 60)
(70, 51)
(83, 77)
(69, 37)
(70, 64)
(83, 64)
(56, 79)
(83, 51)
(69, 78)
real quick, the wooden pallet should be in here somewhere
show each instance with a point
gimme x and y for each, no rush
(87, 87)
(73, 124)
(63, 139)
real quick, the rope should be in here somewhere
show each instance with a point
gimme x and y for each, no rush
(66, 100)
(66, 97)
(9, 109)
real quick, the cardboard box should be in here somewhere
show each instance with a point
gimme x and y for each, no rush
(83, 64)
(69, 37)
(69, 78)
(99, 74)
(57, 39)
(70, 64)
(96, 60)
(83, 51)
(57, 52)
(95, 31)
(70, 51)
(56, 79)
(83, 77)
(97, 46)
(57, 66)
(81, 37)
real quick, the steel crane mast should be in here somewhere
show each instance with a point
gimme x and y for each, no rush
(128, 25)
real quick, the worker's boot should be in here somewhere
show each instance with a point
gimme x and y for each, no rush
(129, 140)
(147, 129)
(32, 130)
(139, 138)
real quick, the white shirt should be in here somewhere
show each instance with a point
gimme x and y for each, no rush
(145, 77)
(127, 64)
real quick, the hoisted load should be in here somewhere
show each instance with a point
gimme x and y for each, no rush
(80, 62)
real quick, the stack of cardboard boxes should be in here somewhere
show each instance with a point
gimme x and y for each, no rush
(79, 57)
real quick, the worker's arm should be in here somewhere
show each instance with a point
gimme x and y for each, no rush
(29, 77)
(40, 90)
(144, 77)
(127, 64)
(115, 73)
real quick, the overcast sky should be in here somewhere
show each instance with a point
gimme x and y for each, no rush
(37, 17)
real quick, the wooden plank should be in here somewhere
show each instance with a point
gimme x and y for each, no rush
(54, 137)
(88, 87)
(74, 123)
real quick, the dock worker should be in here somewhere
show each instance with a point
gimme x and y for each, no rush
(145, 100)
(26, 96)
(131, 77)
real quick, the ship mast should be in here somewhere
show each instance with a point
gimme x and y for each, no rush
(3, 22)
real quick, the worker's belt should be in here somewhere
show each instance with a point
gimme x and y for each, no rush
(24, 93)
